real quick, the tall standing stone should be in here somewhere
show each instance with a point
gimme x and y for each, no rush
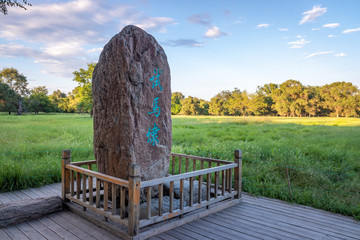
(132, 106)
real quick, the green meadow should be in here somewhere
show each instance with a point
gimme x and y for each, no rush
(322, 155)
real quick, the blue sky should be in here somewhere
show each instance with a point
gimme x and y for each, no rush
(210, 45)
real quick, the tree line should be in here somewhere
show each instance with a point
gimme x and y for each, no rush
(15, 96)
(290, 98)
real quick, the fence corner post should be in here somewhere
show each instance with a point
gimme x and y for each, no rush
(134, 200)
(238, 173)
(65, 174)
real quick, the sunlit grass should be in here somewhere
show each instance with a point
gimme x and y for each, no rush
(322, 154)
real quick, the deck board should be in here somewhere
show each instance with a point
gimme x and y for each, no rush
(253, 219)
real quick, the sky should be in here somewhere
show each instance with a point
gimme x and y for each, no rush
(211, 45)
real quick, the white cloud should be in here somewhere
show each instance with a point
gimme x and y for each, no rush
(94, 50)
(183, 42)
(317, 54)
(340, 54)
(311, 15)
(331, 25)
(298, 43)
(351, 30)
(63, 34)
(331, 36)
(263, 25)
(315, 29)
(214, 32)
(283, 29)
(299, 36)
(202, 19)
(156, 23)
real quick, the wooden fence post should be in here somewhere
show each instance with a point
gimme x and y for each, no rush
(65, 174)
(134, 200)
(237, 173)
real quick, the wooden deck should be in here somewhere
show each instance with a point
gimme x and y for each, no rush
(254, 218)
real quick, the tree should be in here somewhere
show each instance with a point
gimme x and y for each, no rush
(289, 98)
(176, 99)
(8, 98)
(219, 105)
(340, 98)
(60, 101)
(39, 101)
(265, 94)
(17, 82)
(11, 3)
(84, 90)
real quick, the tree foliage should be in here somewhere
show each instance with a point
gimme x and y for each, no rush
(4, 4)
(39, 101)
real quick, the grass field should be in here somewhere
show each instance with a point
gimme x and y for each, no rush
(322, 154)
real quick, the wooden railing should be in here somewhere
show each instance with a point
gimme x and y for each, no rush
(200, 183)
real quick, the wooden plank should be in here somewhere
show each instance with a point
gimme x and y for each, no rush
(59, 230)
(30, 232)
(98, 175)
(78, 185)
(3, 235)
(21, 195)
(182, 202)
(83, 163)
(157, 181)
(44, 230)
(310, 216)
(186, 164)
(29, 193)
(179, 235)
(167, 236)
(173, 165)
(330, 229)
(148, 206)
(223, 184)
(244, 222)
(201, 158)
(208, 185)
(179, 165)
(201, 233)
(106, 195)
(72, 228)
(122, 202)
(194, 165)
(195, 235)
(97, 193)
(191, 192)
(304, 212)
(200, 188)
(214, 228)
(236, 228)
(91, 191)
(171, 197)
(113, 199)
(84, 187)
(11, 196)
(14, 233)
(179, 212)
(161, 194)
(88, 227)
(262, 220)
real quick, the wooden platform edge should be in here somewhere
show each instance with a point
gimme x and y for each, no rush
(155, 229)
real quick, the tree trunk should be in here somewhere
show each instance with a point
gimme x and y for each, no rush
(20, 106)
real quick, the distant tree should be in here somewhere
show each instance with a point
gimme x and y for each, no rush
(190, 106)
(219, 105)
(204, 107)
(340, 98)
(234, 102)
(84, 90)
(265, 94)
(176, 99)
(60, 101)
(289, 98)
(8, 98)
(17, 82)
(12, 3)
(38, 100)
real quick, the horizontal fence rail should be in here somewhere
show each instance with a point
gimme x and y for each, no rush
(194, 183)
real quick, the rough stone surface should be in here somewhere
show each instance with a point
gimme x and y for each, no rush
(123, 97)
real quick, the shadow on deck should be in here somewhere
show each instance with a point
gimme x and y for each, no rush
(254, 218)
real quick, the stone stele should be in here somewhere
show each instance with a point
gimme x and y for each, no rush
(132, 106)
